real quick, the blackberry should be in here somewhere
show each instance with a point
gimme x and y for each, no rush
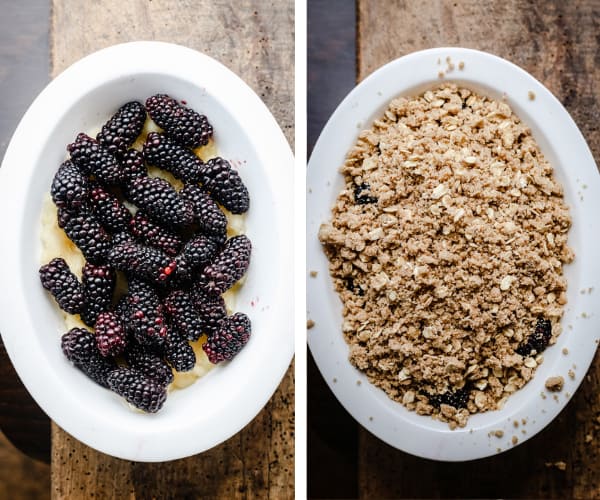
(211, 309)
(458, 399)
(160, 201)
(133, 166)
(142, 392)
(207, 213)
(85, 231)
(162, 152)
(149, 363)
(144, 312)
(123, 128)
(181, 123)
(228, 266)
(111, 213)
(180, 308)
(122, 237)
(98, 288)
(197, 253)
(110, 334)
(363, 199)
(232, 334)
(538, 340)
(69, 186)
(79, 346)
(225, 185)
(179, 353)
(57, 278)
(94, 159)
(141, 261)
(149, 233)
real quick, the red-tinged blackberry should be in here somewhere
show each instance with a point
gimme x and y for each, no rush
(179, 353)
(57, 278)
(111, 213)
(211, 309)
(79, 346)
(94, 159)
(139, 390)
(98, 288)
(69, 186)
(160, 201)
(164, 153)
(184, 317)
(150, 233)
(133, 165)
(181, 123)
(123, 128)
(85, 231)
(207, 213)
(458, 399)
(142, 261)
(538, 340)
(145, 318)
(149, 363)
(110, 334)
(232, 334)
(225, 185)
(228, 266)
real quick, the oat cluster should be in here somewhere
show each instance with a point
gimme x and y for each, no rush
(446, 247)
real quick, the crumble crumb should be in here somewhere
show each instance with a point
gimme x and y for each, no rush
(499, 433)
(555, 384)
(461, 65)
(313, 274)
(557, 465)
(572, 374)
(589, 438)
(514, 440)
(531, 95)
(446, 246)
(565, 351)
(309, 324)
(440, 74)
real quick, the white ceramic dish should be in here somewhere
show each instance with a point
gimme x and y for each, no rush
(565, 148)
(220, 404)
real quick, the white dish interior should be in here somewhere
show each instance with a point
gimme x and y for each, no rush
(218, 405)
(565, 148)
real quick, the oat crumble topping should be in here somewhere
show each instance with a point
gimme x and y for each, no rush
(446, 246)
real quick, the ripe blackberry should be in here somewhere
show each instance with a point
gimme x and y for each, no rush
(211, 309)
(85, 231)
(141, 261)
(184, 317)
(232, 334)
(98, 288)
(145, 319)
(150, 233)
(458, 399)
(69, 186)
(142, 392)
(228, 266)
(225, 185)
(160, 201)
(122, 237)
(196, 254)
(538, 340)
(123, 128)
(57, 278)
(111, 213)
(181, 123)
(110, 334)
(79, 346)
(149, 363)
(94, 159)
(162, 152)
(133, 166)
(179, 353)
(207, 213)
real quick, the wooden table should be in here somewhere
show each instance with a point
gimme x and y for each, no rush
(557, 42)
(255, 40)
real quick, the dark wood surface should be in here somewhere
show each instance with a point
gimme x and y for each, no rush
(558, 43)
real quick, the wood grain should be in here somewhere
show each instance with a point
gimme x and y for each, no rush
(558, 43)
(255, 40)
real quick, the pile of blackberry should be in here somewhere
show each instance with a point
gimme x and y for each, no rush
(172, 250)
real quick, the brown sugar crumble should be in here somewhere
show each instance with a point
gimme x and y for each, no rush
(309, 324)
(531, 95)
(446, 247)
(555, 384)
(313, 274)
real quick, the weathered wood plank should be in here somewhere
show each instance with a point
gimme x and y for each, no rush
(556, 42)
(255, 40)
